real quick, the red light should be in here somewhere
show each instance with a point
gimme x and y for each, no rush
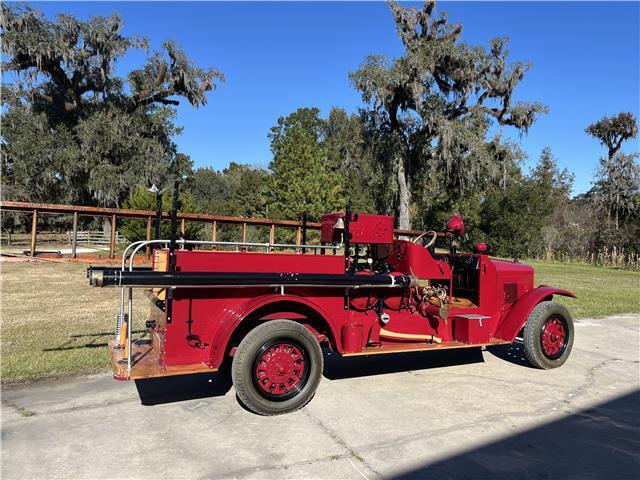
(482, 247)
(455, 225)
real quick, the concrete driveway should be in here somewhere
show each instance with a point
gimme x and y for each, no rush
(456, 414)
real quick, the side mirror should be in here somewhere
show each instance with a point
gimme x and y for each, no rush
(455, 225)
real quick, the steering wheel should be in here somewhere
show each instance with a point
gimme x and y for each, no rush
(431, 242)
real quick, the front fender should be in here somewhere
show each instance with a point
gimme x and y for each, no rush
(517, 316)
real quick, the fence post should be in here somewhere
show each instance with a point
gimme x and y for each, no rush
(214, 233)
(74, 236)
(34, 228)
(244, 236)
(304, 231)
(112, 243)
(182, 228)
(272, 234)
(148, 249)
(298, 235)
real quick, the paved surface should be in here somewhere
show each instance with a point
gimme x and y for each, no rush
(464, 414)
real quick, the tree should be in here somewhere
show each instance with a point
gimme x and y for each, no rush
(348, 150)
(614, 131)
(554, 187)
(434, 104)
(552, 180)
(239, 190)
(523, 218)
(617, 187)
(73, 131)
(141, 199)
(303, 178)
(211, 190)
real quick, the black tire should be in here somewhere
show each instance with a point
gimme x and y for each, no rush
(289, 340)
(543, 350)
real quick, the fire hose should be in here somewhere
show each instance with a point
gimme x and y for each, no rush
(106, 277)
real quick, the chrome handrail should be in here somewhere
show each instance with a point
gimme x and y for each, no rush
(125, 255)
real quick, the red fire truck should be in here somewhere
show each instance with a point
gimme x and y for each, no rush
(359, 292)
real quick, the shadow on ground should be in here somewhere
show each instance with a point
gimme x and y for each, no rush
(156, 391)
(179, 388)
(513, 353)
(337, 367)
(599, 442)
(87, 340)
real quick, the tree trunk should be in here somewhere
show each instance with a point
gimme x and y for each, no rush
(106, 227)
(404, 194)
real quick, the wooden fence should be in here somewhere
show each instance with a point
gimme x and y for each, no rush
(36, 209)
(90, 238)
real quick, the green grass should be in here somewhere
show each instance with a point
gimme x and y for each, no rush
(55, 324)
(600, 291)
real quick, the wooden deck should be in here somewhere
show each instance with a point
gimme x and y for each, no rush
(147, 363)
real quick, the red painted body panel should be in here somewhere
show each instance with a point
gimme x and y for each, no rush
(517, 316)
(371, 229)
(502, 292)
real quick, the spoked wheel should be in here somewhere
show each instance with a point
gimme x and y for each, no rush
(277, 367)
(553, 337)
(281, 369)
(548, 335)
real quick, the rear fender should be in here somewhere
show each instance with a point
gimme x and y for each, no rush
(235, 318)
(520, 311)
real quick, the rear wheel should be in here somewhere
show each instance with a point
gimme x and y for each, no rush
(277, 367)
(548, 335)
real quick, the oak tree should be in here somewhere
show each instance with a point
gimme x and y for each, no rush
(73, 129)
(614, 131)
(434, 104)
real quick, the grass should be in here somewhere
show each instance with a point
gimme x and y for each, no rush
(600, 291)
(55, 324)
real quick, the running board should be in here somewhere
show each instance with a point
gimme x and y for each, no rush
(421, 346)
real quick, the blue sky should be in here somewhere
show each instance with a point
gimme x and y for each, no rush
(281, 56)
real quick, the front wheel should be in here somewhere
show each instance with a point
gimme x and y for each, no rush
(277, 367)
(548, 335)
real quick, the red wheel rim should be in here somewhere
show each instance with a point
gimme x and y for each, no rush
(553, 337)
(280, 369)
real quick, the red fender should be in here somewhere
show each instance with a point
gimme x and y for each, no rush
(520, 311)
(236, 317)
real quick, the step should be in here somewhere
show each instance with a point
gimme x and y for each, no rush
(146, 363)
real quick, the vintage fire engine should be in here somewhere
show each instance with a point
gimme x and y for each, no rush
(359, 292)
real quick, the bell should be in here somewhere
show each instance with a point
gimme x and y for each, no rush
(339, 225)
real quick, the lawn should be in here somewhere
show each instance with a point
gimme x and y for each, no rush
(600, 291)
(55, 324)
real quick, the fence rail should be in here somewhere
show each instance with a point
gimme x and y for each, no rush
(93, 237)
(36, 209)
